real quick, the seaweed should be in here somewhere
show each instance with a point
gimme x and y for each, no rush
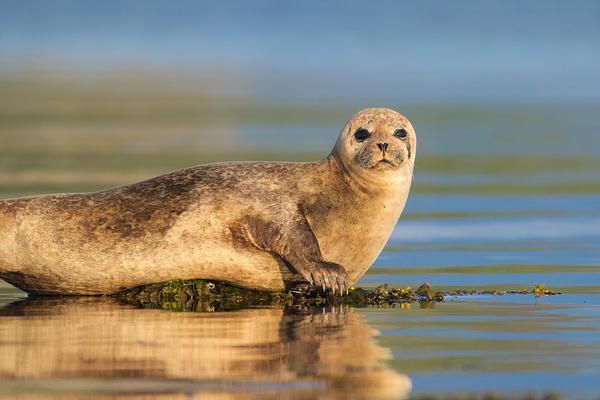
(207, 296)
(204, 295)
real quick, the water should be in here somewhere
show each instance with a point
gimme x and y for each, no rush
(513, 344)
(509, 343)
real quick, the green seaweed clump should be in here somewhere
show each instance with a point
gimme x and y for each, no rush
(203, 295)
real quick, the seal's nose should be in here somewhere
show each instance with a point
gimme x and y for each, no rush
(382, 146)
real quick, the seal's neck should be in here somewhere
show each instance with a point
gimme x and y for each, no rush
(354, 222)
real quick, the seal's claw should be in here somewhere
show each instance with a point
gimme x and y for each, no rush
(329, 276)
(328, 281)
(316, 278)
(339, 277)
(340, 285)
(333, 283)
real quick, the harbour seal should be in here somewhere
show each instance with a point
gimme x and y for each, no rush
(260, 225)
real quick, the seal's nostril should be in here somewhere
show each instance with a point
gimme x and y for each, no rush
(382, 146)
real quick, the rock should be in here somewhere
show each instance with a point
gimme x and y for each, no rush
(382, 290)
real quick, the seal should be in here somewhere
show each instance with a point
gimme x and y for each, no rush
(259, 225)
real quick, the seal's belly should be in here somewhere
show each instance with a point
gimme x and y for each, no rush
(354, 243)
(357, 256)
(69, 258)
(89, 271)
(218, 260)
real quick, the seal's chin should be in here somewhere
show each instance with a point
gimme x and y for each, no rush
(386, 163)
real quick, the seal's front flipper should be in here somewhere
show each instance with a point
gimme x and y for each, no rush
(295, 242)
(325, 274)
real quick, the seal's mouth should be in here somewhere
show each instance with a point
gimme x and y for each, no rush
(387, 163)
(383, 161)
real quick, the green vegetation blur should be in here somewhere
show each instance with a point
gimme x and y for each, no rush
(62, 133)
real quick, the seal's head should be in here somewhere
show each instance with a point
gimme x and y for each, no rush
(377, 144)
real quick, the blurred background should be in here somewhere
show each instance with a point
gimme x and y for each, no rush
(504, 96)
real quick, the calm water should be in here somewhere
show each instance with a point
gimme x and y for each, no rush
(504, 197)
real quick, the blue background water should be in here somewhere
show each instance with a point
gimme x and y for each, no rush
(511, 50)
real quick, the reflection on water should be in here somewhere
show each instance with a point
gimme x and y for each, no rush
(69, 345)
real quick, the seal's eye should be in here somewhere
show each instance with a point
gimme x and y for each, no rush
(361, 134)
(401, 133)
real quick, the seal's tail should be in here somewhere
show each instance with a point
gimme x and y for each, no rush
(9, 271)
(6, 233)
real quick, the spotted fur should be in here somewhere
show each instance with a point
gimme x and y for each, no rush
(261, 225)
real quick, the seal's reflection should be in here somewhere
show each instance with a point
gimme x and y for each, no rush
(95, 344)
